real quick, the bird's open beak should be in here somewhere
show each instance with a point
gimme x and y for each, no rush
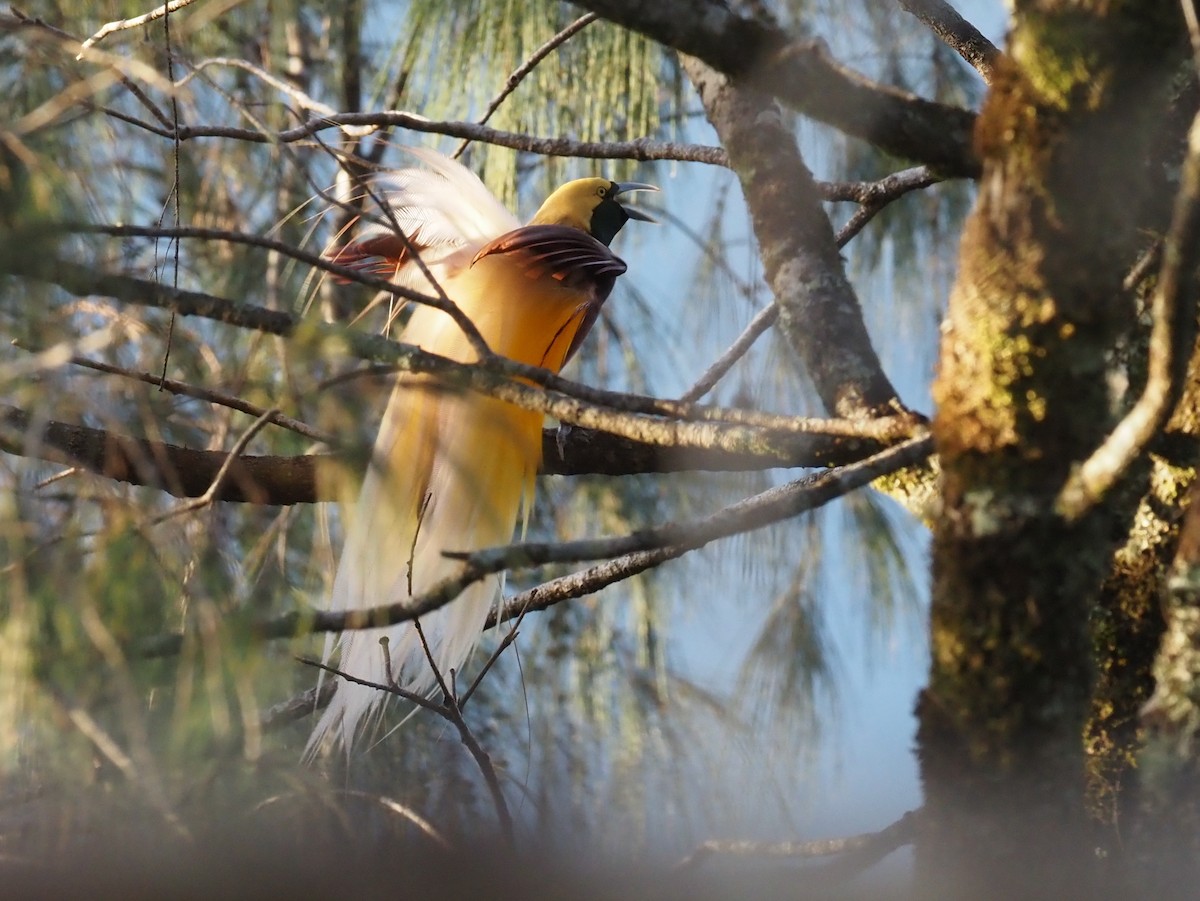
(634, 212)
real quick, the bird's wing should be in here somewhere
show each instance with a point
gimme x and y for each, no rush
(573, 258)
(443, 209)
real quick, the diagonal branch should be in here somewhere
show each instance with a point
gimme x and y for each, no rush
(450, 711)
(134, 22)
(802, 75)
(818, 310)
(526, 67)
(631, 554)
(873, 196)
(220, 398)
(1173, 308)
(957, 33)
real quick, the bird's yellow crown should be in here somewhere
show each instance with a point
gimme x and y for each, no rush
(590, 204)
(573, 203)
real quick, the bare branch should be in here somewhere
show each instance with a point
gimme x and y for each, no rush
(440, 302)
(582, 583)
(452, 713)
(632, 554)
(213, 490)
(644, 419)
(528, 66)
(135, 22)
(754, 512)
(180, 471)
(1173, 309)
(288, 88)
(861, 851)
(642, 150)
(219, 398)
(874, 196)
(882, 191)
(801, 74)
(763, 320)
(285, 480)
(957, 33)
(409, 814)
(819, 312)
(771, 506)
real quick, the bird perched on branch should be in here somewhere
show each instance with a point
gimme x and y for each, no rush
(451, 469)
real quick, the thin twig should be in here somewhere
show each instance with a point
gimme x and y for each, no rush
(518, 74)
(288, 88)
(174, 199)
(647, 420)
(770, 506)
(641, 150)
(449, 711)
(509, 637)
(58, 476)
(440, 302)
(219, 398)
(211, 494)
(873, 196)
(763, 320)
(408, 813)
(470, 330)
(135, 22)
(403, 693)
(447, 695)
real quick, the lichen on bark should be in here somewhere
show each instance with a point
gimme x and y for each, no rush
(1023, 395)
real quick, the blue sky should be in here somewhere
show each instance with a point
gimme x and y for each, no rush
(862, 774)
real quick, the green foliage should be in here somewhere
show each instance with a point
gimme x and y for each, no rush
(607, 84)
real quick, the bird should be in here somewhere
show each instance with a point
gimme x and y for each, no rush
(452, 470)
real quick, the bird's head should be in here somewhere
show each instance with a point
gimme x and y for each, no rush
(592, 205)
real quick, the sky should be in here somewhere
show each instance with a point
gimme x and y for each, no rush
(861, 773)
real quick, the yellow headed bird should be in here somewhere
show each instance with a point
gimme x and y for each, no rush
(450, 470)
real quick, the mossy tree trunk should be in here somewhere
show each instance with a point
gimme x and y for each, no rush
(1024, 393)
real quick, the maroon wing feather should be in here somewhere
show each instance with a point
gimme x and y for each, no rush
(572, 256)
(381, 255)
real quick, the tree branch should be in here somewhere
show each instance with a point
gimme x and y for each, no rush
(873, 196)
(819, 313)
(1172, 335)
(958, 34)
(284, 480)
(632, 553)
(135, 22)
(641, 150)
(801, 74)
(180, 471)
(865, 849)
(518, 75)
(645, 419)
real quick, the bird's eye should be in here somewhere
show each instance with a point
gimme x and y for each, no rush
(602, 192)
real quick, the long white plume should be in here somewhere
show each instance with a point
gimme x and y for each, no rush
(420, 496)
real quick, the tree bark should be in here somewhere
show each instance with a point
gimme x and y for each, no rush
(1023, 395)
(818, 310)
